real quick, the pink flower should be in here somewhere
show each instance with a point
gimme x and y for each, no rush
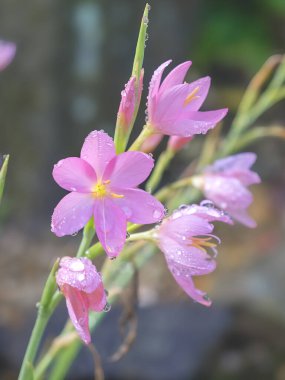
(225, 183)
(83, 289)
(184, 238)
(173, 106)
(7, 53)
(151, 143)
(104, 185)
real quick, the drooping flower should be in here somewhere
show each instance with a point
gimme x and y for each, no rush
(83, 290)
(185, 239)
(173, 106)
(7, 53)
(225, 183)
(104, 185)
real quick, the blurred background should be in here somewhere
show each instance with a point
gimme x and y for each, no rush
(73, 59)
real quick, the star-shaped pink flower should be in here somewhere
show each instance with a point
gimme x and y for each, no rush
(104, 185)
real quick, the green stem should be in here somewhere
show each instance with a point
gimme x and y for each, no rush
(146, 132)
(161, 165)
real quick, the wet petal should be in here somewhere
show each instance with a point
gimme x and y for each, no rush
(176, 76)
(139, 206)
(97, 299)
(190, 260)
(196, 123)
(184, 280)
(243, 217)
(128, 169)
(154, 87)
(98, 149)
(72, 213)
(74, 174)
(227, 193)
(206, 210)
(110, 225)
(77, 305)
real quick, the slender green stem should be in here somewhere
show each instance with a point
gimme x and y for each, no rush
(3, 172)
(161, 165)
(146, 132)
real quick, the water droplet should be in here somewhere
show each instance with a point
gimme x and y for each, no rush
(182, 207)
(150, 155)
(107, 307)
(77, 265)
(74, 233)
(73, 189)
(207, 203)
(156, 214)
(113, 258)
(106, 292)
(128, 235)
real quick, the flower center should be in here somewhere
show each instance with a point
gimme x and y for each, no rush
(100, 190)
(191, 96)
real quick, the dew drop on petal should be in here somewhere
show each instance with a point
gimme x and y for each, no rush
(74, 234)
(182, 207)
(106, 292)
(107, 307)
(157, 214)
(207, 203)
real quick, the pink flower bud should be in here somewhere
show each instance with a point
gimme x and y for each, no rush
(7, 53)
(176, 143)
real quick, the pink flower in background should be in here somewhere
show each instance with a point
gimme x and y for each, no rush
(7, 53)
(184, 238)
(128, 102)
(151, 143)
(173, 106)
(104, 185)
(225, 183)
(83, 289)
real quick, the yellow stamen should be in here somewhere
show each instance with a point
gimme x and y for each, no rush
(114, 195)
(100, 190)
(191, 96)
(202, 243)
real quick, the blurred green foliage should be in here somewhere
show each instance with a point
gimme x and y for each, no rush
(240, 33)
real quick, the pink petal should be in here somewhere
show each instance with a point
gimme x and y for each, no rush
(196, 123)
(7, 53)
(72, 213)
(154, 87)
(203, 85)
(127, 105)
(98, 150)
(79, 273)
(189, 259)
(139, 206)
(185, 281)
(110, 225)
(97, 300)
(176, 143)
(205, 210)
(170, 105)
(184, 227)
(176, 76)
(77, 305)
(227, 193)
(128, 169)
(74, 174)
(243, 217)
(239, 161)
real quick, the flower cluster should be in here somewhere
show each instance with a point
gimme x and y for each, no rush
(103, 186)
